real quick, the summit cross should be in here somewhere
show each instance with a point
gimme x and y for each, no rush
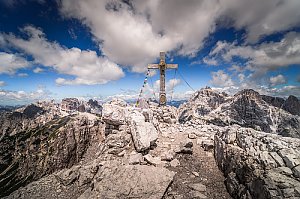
(162, 66)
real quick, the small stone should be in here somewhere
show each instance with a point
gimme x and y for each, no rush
(195, 173)
(199, 195)
(296, 171)
(277, 159)
(284, 170)
(297, 191)
(174, 163)
(136, 158)
(289, 192)
(198, 187)
(192, 136)
(152, 160)
(114, 131)
(207, 145)
(168, 156)
(187, 144)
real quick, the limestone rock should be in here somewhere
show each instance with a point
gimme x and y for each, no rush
(136, 158)
(132, 181)
(152, 160)
(144, 135)
(296, 171)
(198, 187)
(113, 114)
(207, 145)
(174, 163)
(253, 168)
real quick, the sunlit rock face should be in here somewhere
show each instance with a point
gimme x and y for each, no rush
(247, 108)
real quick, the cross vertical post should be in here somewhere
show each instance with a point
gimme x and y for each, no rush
(162, 66)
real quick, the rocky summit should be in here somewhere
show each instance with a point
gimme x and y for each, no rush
(214, 145)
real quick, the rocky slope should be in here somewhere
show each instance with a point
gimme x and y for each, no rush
(247, 108)
(29, 154)
(257, 164)
(154, 152)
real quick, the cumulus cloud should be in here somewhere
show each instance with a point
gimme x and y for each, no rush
(277, 80)
(262, 58)
(211, 62)
(2, 83)
(221, 79)
(10, 63)
(132, 35)
(38, 70)
(85, 65)
(22, 75)
(262, 18)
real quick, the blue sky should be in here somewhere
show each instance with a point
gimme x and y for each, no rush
(100, 49)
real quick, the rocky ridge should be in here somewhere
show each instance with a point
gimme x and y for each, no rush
(154, 152)
(257, 164)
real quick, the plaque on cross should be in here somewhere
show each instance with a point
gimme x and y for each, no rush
(162, 66)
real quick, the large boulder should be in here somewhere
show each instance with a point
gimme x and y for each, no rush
(130, 181)
(113, 114)
(144, 134)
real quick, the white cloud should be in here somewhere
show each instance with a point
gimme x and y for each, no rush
(10, 63)
(85, 65)
(171, 84)
(261, 18)
(212, 61)
(182, 95)
(221, 79)
(8, 97)
(134, 37)
(277, 80)
(38, 70)
(2, 83)
(265, 57)
(22, 75)
(241, 77)
(132, 34)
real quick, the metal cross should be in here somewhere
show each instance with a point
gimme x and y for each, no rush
(162, 66)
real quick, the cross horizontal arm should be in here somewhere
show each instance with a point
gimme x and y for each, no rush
(172, 66)
(153, 66)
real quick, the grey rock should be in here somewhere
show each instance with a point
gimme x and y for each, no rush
(168, 155)
(68, 176)
(284, 170)
(296, 171)
(289, 192)
(144, 134)
(152, 160)
(113, 114)
(198, 187)
(207, 145)
(132, 181)
(198, 195)
(174, 163)
(192, 136)
(136, 158)
(277, 158)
